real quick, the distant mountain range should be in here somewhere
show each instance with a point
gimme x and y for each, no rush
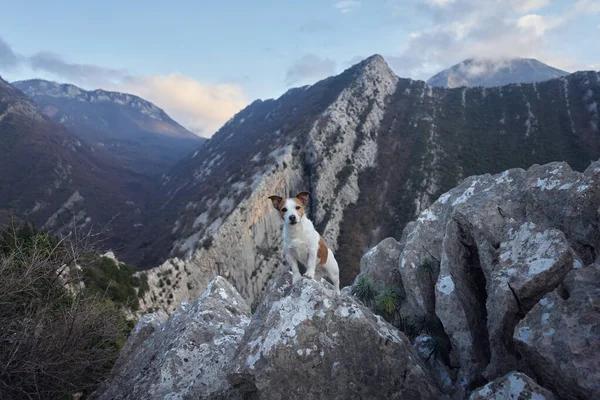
(129, 127)
(495, 72)
(52, 177)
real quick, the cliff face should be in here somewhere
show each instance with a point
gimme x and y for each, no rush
(374, 151)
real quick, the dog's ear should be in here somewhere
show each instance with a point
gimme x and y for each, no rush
(276, 200)
(303, 197)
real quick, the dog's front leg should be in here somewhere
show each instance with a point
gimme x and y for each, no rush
(294, 264)
(311, 265)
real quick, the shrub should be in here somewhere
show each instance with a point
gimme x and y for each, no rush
(57, 338)
(388, 304)
(365, 290)
(436, 346)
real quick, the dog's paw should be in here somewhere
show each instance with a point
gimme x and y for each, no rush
(296, 278)
(309, 275)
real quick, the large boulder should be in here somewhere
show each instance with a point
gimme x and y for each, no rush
(531, 262)
(187, 355)
(560, 337)
(306, 342)
(514, 385)
(495, 245)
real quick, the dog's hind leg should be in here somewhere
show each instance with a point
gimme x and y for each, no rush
(331, 266)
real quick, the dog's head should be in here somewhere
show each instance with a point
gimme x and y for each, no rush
(292, 209)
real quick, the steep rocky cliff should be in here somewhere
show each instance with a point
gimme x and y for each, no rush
(374, 150)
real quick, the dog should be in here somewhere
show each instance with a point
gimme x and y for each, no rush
(301, 241)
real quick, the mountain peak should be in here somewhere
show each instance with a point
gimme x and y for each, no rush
(374, 66)
(490, 72)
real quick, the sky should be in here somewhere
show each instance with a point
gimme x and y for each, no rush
(203, 61)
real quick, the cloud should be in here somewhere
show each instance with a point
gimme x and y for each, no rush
(493, 29)
(525, 6)
(81, 73)
(8, 58)
(440, 3)
(587, 7)
(345, 6)
(201, 107)
(309, 66)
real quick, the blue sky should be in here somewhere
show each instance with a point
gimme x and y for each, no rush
(202, 60)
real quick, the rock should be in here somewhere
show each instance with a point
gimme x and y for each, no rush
(146, 325)
(513, 385)
(560, 337)
(376, 263)
(531, 262)
(425, 346)
(187, 355)
(526, 229)
(304, 342)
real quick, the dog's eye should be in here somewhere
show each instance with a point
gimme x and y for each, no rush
(284, 209)
(297, 207)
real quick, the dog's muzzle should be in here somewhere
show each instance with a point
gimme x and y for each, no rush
(293, 219)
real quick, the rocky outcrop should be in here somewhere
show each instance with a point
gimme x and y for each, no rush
(304, 342)
(560, 337)
(485, 258)
(514, 385)
(185, 356)
(492, 293)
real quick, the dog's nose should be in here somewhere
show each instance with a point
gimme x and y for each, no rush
(292, 218)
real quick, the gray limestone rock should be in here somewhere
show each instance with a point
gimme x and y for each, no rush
(187, 355)
(499, 244)
(305, 342)
(560, 337)
(514, 385)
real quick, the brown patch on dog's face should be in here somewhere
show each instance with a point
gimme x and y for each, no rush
(299, 207)
(322, 252)
(303, 197)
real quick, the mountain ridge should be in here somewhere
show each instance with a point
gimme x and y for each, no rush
(53, 178)
(125, 125)
(490, 72)
(373, 149)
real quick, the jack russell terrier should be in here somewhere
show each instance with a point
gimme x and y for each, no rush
(301, 242)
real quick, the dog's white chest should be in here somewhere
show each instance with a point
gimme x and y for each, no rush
(299, 250)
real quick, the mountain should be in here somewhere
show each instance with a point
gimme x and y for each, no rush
(494, 72)
(374, 150)
(124, 125)
(51, 177)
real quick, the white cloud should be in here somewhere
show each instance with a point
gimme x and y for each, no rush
(440, 3)
(587, 7)
(533, 23)
(345, 6)
(495, 29)
(200, 107)
(525, 6)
